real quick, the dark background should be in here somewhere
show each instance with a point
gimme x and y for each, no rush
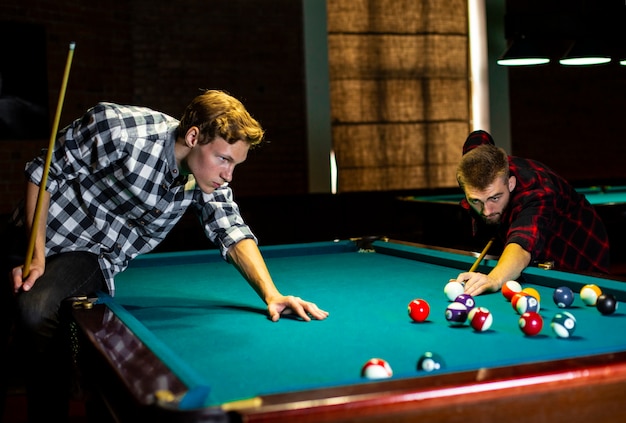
(159, 54)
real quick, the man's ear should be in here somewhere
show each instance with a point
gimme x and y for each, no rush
(512, 183)
(192, 137)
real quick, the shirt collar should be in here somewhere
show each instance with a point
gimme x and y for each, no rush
(175, 176)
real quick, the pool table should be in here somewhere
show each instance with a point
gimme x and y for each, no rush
(186, 339)
(601, 195)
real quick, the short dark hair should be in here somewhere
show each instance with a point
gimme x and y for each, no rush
(481, 166)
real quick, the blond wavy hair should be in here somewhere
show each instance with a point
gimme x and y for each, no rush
(218, 114)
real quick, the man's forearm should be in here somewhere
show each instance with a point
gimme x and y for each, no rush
(246, 257)
(511, 264)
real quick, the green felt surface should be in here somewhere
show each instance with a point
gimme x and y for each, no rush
(596, 195)
(208, 317)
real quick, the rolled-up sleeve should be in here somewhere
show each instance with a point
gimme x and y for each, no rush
(221, 219)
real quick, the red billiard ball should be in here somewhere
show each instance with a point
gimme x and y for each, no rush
(376, 368)
(419, 310)
(510, 288)
(531, 323)
(480, 319)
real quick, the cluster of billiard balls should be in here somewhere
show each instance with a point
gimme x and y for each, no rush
(525, 301)
(457, 313)
(590, 294)
(462, 309)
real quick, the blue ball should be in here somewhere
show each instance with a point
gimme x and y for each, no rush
(527, 303)
(456, 313)
(563, 297)
(467, 300)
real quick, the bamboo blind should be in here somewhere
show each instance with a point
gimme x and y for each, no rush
(399, 82)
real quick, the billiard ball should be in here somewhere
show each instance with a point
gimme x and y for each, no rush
(527, 303)
(453, 289)
(376, 368)
(418, 310)
(510, 288)
(456, 314)
(429, 362)
(530, 323)
(563, 324)
(563, 296)
(480, 319)
(516, 298)
(606, 304)
(533, 292)
(590, 293)
(467, 300)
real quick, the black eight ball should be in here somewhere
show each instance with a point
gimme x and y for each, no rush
(606, 304)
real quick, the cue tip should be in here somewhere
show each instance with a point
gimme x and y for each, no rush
(72, 45)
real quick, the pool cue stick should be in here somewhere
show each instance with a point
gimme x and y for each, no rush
(481, 256)
(46, 170)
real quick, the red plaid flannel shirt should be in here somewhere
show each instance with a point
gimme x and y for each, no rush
(549, 219)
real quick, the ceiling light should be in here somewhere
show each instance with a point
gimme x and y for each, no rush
(585, 53)
(522, 52)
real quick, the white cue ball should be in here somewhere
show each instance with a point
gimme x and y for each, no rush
(453, 289)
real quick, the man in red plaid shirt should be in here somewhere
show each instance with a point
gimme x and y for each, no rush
(538, 215)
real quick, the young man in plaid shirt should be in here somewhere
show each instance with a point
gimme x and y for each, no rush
(120, 179)
(538, 216)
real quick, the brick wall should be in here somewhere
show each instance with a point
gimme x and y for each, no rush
(159, 54)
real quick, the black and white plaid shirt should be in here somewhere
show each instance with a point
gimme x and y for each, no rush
(115, 189)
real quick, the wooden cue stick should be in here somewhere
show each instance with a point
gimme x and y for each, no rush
(481, 256)
(46, 170)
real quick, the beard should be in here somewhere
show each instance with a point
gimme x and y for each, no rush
(493, 219)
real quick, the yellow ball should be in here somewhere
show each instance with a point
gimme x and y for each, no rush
(590, 293)
(533, 292)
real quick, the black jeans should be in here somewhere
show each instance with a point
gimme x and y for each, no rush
(41, 331)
